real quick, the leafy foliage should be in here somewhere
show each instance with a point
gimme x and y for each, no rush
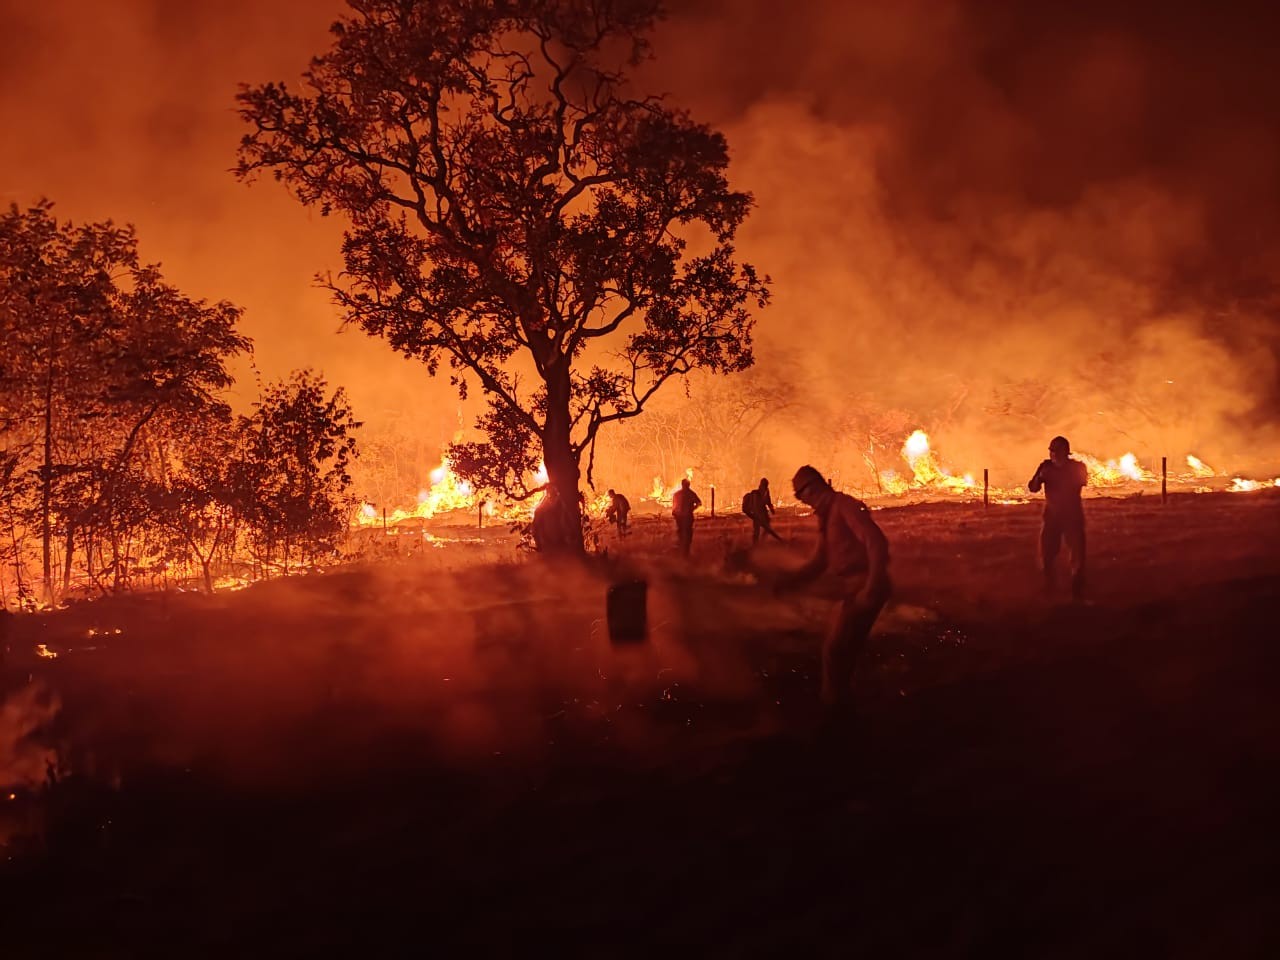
(119, 457)
(292, 475)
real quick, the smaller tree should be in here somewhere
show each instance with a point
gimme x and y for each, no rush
(194, 501)
(293, 478)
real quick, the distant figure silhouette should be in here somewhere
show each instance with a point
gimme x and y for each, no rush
(854, 550)
(1062, 479)
(683, 503)
(619, 510)
(758, 504)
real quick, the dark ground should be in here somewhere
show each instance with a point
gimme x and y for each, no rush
(445, 755)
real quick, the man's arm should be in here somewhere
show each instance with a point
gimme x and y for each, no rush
(1037, 481)
(697, 501)
(810, 570)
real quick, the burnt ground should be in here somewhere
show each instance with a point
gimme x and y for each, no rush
(445, 754)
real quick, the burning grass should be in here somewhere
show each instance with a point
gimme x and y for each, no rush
(924, 475)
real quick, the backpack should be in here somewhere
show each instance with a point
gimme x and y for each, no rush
(751, 503)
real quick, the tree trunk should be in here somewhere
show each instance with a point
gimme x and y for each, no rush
(562, 465)
(46, 484)
(17, 556)
(66, 560)
(875, 467)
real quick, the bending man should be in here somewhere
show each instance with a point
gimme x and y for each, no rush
(619, 510)
(853, 549)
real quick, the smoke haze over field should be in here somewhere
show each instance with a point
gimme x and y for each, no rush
(1005, 221)
(965, 204)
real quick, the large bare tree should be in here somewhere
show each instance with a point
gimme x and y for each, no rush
(518, 209)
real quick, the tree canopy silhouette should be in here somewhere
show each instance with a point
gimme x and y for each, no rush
(517, 209)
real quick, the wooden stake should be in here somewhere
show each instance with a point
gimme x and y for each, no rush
(713, 500)
(985, 487)
(384, 521)
(480, 515)
(1164, 479)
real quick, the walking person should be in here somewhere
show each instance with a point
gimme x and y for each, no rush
(758, 505)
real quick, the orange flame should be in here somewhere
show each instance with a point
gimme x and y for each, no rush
(446, 493)
(662, 493)
(1199, 468)
(1241, 485)
(926, 472)
(1113, 472)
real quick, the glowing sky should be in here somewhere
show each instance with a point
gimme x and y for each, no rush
(1026, 182)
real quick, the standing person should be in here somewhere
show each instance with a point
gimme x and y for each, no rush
(1062, 479)
(758, 504)
(683, 503)
(619, 510)
(854, 550)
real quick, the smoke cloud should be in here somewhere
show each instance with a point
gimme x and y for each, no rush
(1002, 221)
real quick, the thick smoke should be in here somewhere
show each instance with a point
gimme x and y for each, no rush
(126, 111)
(1008, 223)
(999, 221)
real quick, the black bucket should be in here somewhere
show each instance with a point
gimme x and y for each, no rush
(627, 608)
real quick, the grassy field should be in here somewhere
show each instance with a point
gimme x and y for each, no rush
(445, 752)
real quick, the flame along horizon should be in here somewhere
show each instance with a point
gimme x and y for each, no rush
(925, 474)
(448, 493)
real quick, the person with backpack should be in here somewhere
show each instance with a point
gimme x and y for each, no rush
(758, 504)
